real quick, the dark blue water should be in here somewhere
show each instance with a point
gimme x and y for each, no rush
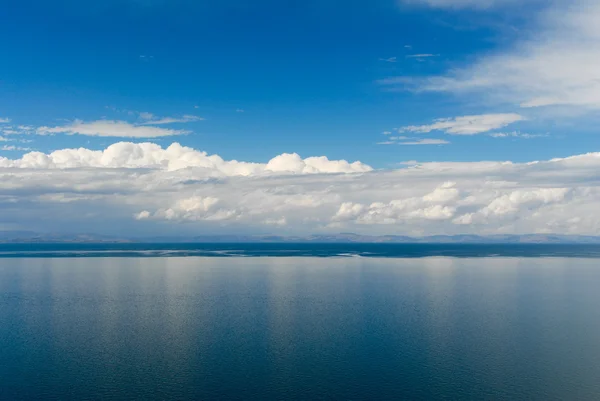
(299, 328)
(301, 249)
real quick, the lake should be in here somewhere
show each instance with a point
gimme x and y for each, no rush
(344, 328)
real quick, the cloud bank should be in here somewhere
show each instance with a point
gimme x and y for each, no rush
(128, 187)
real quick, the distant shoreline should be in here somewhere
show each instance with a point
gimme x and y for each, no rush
(35, 238)
(288, 250)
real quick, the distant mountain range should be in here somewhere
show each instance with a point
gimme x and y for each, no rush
(31, 237)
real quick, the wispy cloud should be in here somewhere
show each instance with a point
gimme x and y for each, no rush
(457, 4)
(517, 134)
(153, 120)
(551, 65)
(144, 115)
(389, 60)
(425, 142)
(467, 125)
(4, 120)
(110, 128)
(404, 140)
(147, 118)
(10, 148)
(17, 130)
(422, 55)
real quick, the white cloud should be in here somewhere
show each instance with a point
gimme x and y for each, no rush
(432, 206)
(477, 4)
(128, 184)
(287, 163)
(144, 115)
(14, 148)
(405, 140)
(422, 55)
(110, 128)
(177, 157)
(17, 130)
(513, 202)
(152, 120)
(553, 64)
(144, 215)
(4, 120)
(425, 142)
(195, 208)
(516, 134)
(467, 125)
(2, 139)
(282, 221)
(389, 59)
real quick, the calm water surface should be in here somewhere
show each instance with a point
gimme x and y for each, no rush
(299, 328)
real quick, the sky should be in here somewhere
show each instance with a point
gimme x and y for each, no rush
(408, 117)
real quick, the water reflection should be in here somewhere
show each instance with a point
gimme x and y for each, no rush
(301, 328)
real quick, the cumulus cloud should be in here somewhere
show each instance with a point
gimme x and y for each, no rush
(467, 125)
(433, 206)
(128, 184)
(511, 203)
(195, 208)
(176, 157)
(552, 65)
(110, 128)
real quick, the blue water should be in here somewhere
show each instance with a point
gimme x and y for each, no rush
(301, 249)
(197, 328)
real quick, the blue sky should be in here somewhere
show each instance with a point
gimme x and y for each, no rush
(306, 74)
(389, 83)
